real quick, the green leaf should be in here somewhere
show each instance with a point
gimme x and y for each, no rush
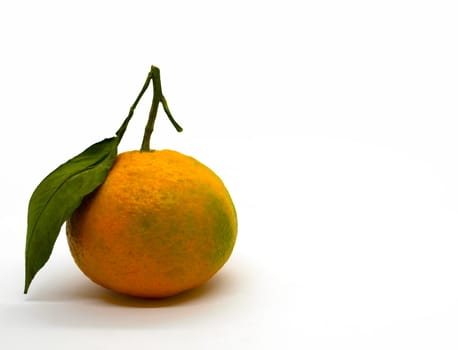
(58, 196)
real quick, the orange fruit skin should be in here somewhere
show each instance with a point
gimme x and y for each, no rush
(161, 223)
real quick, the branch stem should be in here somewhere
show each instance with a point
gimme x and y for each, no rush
(158, 98)
(122, 129)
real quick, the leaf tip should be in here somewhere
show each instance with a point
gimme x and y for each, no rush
(26, 286)
(28, 281)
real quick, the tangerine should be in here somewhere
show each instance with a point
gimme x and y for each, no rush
(160, 224)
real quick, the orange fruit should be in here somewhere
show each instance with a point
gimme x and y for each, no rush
(161, 223)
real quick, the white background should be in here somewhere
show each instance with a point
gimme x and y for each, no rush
(333, 124)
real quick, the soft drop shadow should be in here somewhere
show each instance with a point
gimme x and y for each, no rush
(218, 285)
(76, 302)
(76, 288)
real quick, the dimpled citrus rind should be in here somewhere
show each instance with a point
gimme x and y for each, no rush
(161, 223)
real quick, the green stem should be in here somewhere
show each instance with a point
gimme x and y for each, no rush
(157, 93)
(122, 129)
(158, 97)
